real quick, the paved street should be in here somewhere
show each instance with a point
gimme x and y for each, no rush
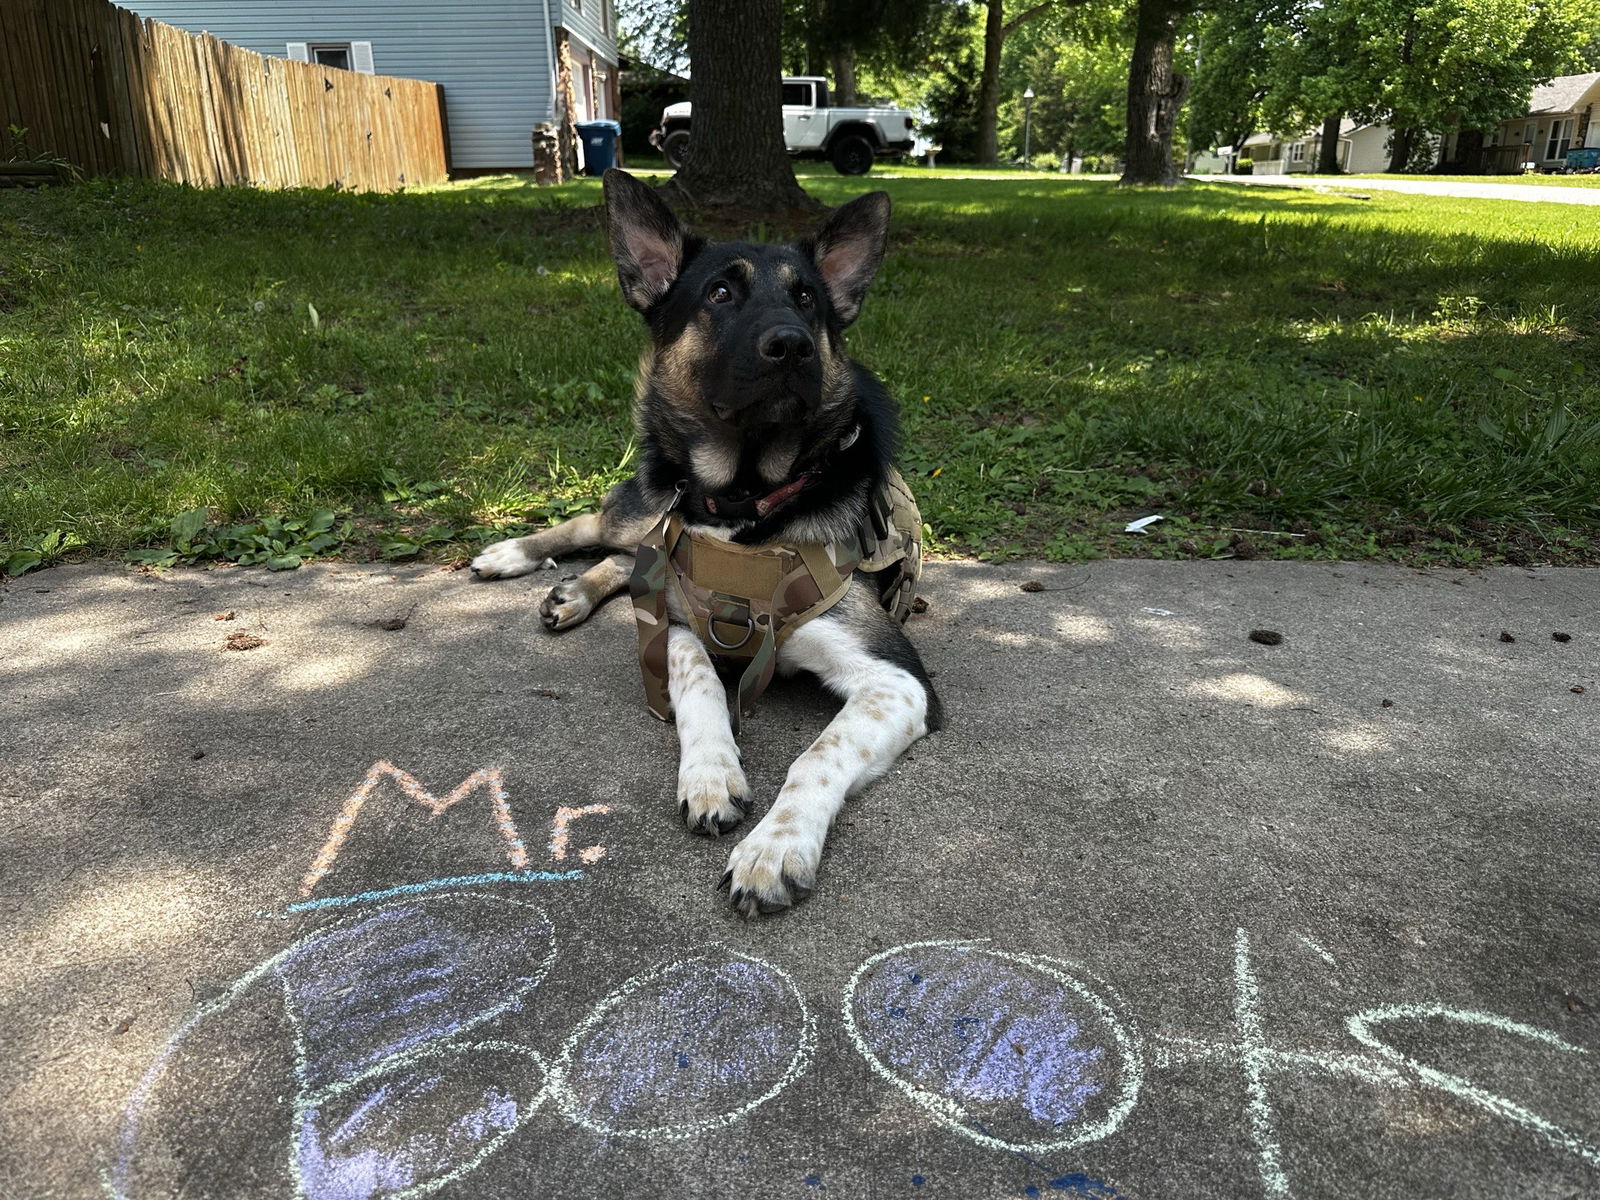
(1417, 187)
(392, 897)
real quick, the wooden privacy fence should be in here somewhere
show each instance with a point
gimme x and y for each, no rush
(116, 94)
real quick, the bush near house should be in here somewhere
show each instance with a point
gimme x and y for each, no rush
(206, 376)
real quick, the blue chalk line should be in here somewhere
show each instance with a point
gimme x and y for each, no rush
(411, 889)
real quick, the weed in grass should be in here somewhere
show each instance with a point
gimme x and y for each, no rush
(42, 551)
(278, 545)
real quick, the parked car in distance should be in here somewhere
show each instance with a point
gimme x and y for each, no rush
(850, 138)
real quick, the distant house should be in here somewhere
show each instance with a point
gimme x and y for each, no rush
(506, 65)
(1281, 154)
(1560, 117)
(1363, 150)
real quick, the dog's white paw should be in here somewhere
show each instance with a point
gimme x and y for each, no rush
(565, 606)
(503, 560)
(713, 796)
(775, 866)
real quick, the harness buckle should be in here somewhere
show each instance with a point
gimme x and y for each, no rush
(711, 632)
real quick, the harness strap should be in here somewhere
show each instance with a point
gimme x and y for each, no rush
(745, 601)
(652, 567)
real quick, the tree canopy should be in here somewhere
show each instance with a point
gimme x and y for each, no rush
(1111, 77)
(1435, 65)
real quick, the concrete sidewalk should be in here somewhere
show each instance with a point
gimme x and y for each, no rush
(1545, 193)
(397, 898)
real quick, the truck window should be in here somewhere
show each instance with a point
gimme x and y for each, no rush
(797, 95)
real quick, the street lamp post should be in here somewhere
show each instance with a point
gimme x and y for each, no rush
(1027, 127)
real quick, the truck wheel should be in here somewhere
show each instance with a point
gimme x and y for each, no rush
(676, 148)
(852, 155)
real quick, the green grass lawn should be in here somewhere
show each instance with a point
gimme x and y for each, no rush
(263, 375)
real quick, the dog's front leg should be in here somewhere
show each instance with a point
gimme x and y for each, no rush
(571, 602)
(712, 794)
(536, 552)
(886, 709)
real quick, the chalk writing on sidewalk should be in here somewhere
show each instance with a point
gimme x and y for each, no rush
(378, 1006)
(487, 779)
(393, 1099)
(1019, 1052)
(560, 832)
(1011, 1050)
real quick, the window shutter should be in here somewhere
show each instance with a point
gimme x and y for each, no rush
(361, 57)
(298, 52)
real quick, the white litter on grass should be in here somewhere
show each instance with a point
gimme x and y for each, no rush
(1159, 612)
(1140, 525)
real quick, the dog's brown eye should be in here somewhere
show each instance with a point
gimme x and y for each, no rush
(719, 294)
(805, 298)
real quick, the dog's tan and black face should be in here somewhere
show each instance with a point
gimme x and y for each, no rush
(745, 394)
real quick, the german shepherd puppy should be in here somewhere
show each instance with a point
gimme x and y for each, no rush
(746, 394)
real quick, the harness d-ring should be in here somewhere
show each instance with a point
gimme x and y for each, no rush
(711, 632)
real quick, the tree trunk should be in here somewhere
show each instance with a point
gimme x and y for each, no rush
(1400, 150)
(994, 36)
(843, 63)
(1328, 152)
(1400, 140)
(1155, 94)
(816, 57)
(736, 154)
(1469, 150)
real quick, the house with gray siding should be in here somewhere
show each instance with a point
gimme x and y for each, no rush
(1560, 118)
(506, 66)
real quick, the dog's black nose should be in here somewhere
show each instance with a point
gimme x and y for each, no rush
(788, 344)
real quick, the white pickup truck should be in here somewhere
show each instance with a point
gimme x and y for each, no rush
(850, 138)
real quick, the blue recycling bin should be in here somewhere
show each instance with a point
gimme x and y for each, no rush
(599, 145)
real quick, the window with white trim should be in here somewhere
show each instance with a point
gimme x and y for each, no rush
(1560, 139)
(342, 56)
(1297, 152)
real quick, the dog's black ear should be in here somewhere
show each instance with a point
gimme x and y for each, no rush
(849, 249)
(646, 239)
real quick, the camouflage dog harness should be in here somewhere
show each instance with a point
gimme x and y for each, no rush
(743, 602)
